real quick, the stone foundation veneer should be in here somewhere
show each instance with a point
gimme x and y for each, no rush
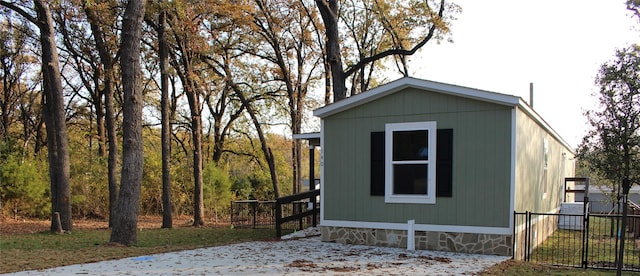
(487, 244)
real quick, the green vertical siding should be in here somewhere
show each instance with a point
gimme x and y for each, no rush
(481, 161)
(529, 170)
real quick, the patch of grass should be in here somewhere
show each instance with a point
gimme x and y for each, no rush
(46, 250)
(516, 268)
(564, 247)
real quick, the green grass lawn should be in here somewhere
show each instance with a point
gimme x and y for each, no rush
(564, 247)
(19, 252)
(517, 268)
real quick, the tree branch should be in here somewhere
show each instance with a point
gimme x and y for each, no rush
(401, 52)
(21, 11)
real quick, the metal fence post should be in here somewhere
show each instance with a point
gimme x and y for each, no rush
(527, 243)
(231, 212)
(515, 238)
(255, 213)
(585, 233)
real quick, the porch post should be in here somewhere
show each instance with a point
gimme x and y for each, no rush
(312, 180)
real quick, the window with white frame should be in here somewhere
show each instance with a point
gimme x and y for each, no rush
(410, 162)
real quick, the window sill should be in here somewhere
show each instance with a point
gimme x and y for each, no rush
(410, 199)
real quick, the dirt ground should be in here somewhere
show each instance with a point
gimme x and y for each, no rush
(28, 225)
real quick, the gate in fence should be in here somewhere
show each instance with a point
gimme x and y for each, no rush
(585, 240)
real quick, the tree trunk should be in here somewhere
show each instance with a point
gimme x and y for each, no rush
(295, 83)
(296, 145)
(192, 91)
(329, 12)
(193, 97)
(55, 120)
(100, 121)
(296, 153)
(107, 63)
(271, 162)
(112, 161)
(126, 216)
(163, 53)
(196, 132)
(268, 155)
(623, 232)
(327, 82)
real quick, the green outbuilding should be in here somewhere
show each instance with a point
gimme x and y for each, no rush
(428, 165)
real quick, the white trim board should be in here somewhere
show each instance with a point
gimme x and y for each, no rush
(418, 227)
(406, 82)
(322, 175)
(512, 171)
(310, 135)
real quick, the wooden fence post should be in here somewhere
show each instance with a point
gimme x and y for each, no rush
(278, 217)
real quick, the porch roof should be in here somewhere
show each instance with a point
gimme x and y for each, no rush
(312, 137)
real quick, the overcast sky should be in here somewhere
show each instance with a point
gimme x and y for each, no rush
(502, 46)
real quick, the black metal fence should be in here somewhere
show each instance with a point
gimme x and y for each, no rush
(587, 241)
(286, 214)
(253, 214)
